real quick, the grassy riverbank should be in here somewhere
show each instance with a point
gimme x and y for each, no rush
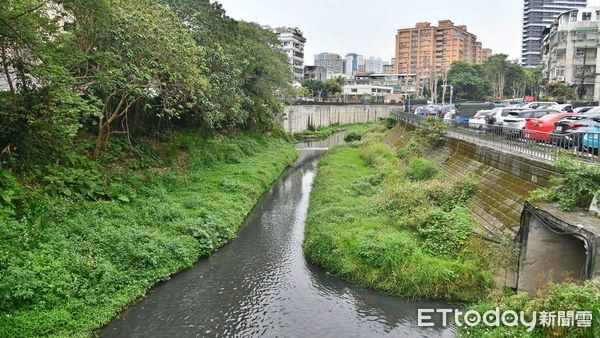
(68, 265)
(392, 225)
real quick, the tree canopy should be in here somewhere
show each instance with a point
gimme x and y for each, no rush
(496, 79)
(132, 68)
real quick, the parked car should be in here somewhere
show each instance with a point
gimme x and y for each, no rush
(478, 120)
(584, 109)
(496, 117)
(569, 131)
(540, 129)
(516, 120)
(538, 105)
(591, 140)
(567, 108)
(424, 110)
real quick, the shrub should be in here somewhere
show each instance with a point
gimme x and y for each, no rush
(445, 232)
(431, 132)
(352, 136)
(410, 150)
(575, 188)
(421, 169)
(391, 121)
(557, 297)
(10, 192)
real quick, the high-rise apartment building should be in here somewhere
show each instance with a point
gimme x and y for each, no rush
(427, 49)
(292, 42)
(332, 62)
(537, 15)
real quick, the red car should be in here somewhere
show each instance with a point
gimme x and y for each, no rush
(542, 128)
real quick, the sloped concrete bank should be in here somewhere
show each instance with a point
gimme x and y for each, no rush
(505, 180)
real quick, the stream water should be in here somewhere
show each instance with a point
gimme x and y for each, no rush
(260, 284)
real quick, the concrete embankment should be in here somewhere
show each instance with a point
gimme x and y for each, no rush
(298, 118)
(505, 180)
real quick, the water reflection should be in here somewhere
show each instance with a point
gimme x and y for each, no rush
(261, 284)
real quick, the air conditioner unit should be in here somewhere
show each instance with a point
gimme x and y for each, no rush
(560, 78)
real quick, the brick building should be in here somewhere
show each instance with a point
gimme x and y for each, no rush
(425, 49)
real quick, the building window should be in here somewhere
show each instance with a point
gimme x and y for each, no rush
(586, 16)
(559, 72)
(573, 17)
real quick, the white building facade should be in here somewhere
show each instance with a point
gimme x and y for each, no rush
(570, 48)
(292, 43)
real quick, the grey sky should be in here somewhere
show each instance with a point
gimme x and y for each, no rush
(368, 27)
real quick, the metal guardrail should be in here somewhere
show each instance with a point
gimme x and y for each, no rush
(534, 144)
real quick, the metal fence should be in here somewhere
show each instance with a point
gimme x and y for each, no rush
(535, 144)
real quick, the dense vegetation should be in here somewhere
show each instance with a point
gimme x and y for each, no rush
(135, 136)
(575, 189)
(565, 297)
(69, 265)
(131, 69)
(391, 224)
(499, 78)
(323, 132)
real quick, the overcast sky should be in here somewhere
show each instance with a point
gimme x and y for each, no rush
(369, 27)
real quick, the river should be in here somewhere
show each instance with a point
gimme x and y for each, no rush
(260, 284)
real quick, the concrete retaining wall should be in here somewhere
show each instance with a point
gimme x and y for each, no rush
(297, 118)
(505, 180)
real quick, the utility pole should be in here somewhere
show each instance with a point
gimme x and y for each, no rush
(581, 90)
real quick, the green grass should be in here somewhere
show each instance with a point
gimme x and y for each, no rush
(68, 266)
(365, 225)
(557, 297)
(324, 132)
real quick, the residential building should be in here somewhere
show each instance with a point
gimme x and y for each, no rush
(316, 73)
(537, 15)
(400, 83)
(292, 42)
(332, 62)
(388, 69)
(427, 49)
(355, 92)
(570, 48)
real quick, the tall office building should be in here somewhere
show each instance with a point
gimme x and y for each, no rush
(351, 63)
(537, 15)
(332, 62)
(374, 65)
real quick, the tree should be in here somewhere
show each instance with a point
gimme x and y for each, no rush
(139, 52)
(496, 67)
(333, 86)
(304, 92)
(468, 81)
(560, 92)
(268, 76)
(316, 88)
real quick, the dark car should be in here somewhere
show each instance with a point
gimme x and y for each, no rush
(570, 130)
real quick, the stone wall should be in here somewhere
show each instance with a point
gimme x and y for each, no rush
(297, 118)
